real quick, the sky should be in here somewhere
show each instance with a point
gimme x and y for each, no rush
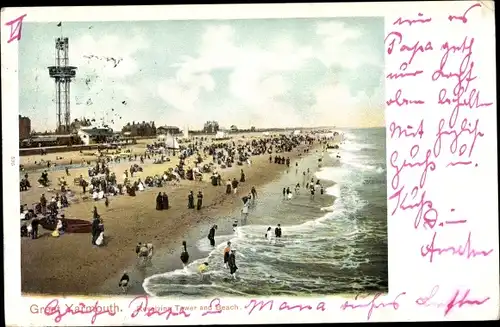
(263, 72)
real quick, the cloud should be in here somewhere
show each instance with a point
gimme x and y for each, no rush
(340, 46)
(328, 74)
(256, 81)
(250, 85)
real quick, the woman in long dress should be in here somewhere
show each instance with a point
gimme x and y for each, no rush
(123, 284)
(232, 263)
(227, 250)
(244, 212)
(165, 201)
(159, 202)
(184, 254)
(269, 235)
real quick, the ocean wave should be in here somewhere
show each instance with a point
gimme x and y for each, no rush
(333, 190)
(333, 174)
(302, 244)
(355, 147)
(357, 161)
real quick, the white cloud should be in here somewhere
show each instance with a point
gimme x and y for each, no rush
(255, 82)
(273, 86)
(249, 83)
(335, 50)
(335, 105)
(177, 95)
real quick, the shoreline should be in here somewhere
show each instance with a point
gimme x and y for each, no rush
(166, 229)
(171, 255)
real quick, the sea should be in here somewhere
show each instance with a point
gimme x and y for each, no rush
(334, 243)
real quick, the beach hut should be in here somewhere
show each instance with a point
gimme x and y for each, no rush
(168, 140)
(95, 134)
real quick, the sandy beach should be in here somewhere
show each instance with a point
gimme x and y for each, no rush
(70, 265)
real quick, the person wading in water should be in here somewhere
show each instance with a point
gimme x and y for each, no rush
(211, 235)
(227, 249)
(232, 263)
(184, 254)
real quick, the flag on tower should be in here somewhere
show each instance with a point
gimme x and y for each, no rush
(60, 24)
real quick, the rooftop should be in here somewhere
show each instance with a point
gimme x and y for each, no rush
(51, 136)
(97, 130)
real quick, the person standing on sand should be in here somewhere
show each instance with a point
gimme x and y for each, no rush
(67, 171)
(228, 187)
(138, 249)
(191, 200)
(211, 235)
(124, 282)
(166, 205)
(106, 201)
(199, 203)
(43, 203)
(244, 212)
(150, 250)
(95, 230)
(159, 201)
(34, 228)
(143, 253)
(254, 193)
(242, 177)
(234, 184)
(83, 184)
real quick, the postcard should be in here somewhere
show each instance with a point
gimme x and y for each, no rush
(250, 164)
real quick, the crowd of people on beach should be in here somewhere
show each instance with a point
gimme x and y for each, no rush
(102, 183)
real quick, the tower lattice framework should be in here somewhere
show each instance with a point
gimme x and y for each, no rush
(63, 74)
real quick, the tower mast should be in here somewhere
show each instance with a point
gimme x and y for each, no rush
(62, 73)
